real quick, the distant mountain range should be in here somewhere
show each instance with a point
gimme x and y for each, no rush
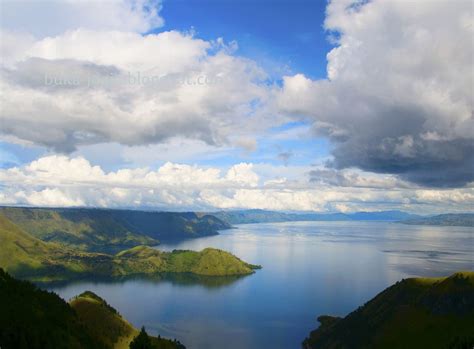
(413, 313)
(263, 216)
(451, 219)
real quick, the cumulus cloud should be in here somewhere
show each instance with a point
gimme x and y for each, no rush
(58, 180)
(396, 106)
(88, 87)
(398, 98)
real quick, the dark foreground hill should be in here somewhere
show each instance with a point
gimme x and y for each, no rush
(31, 318)
(413, 313)
(27, 257)
(102, 230)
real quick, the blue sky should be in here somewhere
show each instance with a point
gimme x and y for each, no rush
(284, 36)
(373, 119)
(283, 39)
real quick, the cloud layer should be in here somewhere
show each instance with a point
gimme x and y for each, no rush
(398, 98)
(58, 180)
(102, 82)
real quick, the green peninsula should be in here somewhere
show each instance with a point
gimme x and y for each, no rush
(27, 257)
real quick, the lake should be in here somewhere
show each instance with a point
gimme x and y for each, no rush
(309, 269)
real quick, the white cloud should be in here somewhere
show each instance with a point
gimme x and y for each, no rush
(88, 87)
(52, 17)
(63, 181)
(398, 97)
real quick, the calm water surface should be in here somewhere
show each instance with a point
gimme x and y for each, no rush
(309, 269)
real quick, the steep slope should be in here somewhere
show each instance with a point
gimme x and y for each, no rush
(106, 325)
(413, 313)
(34, 319)
(93, 230)
(170, 225)
(31, 318)
(104, 230)
(27, 257)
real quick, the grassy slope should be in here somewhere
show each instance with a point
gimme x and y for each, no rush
(93, 230)
(210, 261)
(110, 230)
(106, 325)
(35, 319)
(27, 257)
(23, 255)
(31, 318)
(413, 313)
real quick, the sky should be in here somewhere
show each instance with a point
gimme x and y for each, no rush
(338, 106)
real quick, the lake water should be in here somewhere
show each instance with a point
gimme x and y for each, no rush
(309, 269)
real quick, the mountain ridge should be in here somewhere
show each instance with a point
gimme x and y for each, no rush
(28, 257)
(412, 313)
(264, 216)
(106, 230)
(447, 220)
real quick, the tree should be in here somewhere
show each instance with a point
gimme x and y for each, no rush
(142, 341)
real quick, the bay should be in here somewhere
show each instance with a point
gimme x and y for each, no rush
(309, 269)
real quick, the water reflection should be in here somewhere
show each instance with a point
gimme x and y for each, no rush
(309, 268)
(177, 279)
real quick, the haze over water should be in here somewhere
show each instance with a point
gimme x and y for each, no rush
(309, 269)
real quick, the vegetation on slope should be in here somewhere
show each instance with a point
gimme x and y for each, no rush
(101, 230)
(413, 313)
(210, 261)
(92, 230)
(451, 219)
(106, 325)
(144, 341)
(31, 318)
(27, 257)
(34, 319)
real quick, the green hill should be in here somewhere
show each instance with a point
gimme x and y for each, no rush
(107, 326)
(210, 261)
(104, 230)
(31, 318)
(414, 313)
(27, 257)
